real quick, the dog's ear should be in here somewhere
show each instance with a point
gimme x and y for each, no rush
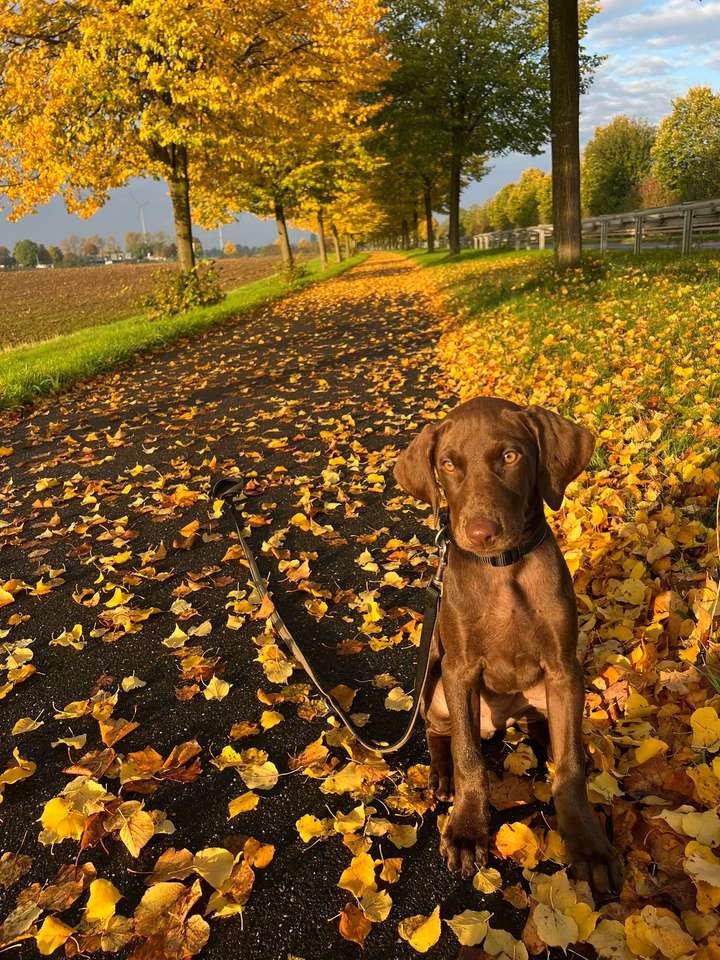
(414, 469)
(564, 450)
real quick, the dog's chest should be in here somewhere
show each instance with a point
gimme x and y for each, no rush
(501, 633)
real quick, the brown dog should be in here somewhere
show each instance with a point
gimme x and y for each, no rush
(506, 637)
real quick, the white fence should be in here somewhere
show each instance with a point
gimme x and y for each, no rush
(684, 226)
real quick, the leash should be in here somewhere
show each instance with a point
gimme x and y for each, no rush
(225, 489)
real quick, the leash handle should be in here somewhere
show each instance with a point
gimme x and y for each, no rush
(224, 489)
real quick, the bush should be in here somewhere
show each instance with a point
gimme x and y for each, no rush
(290, 273)
(180, 292)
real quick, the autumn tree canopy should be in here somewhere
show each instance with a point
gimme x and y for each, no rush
(93, 94)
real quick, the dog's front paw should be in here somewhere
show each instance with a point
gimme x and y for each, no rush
(464, 842)
(594, 859)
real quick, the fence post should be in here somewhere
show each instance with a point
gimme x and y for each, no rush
(637, 241)
(603, 236)
(687, 231)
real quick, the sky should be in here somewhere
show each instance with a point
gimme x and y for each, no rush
(654, 49)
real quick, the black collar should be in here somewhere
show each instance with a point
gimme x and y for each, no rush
(507, 557)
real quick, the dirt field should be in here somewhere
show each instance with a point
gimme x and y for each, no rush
(39, 304)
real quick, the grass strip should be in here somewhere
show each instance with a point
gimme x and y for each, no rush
(31, 371)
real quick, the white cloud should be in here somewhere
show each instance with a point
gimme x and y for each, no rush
(674, 23)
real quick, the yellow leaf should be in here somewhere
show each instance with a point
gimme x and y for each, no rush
(52, 934)
(61, 821)
(397, 699)
(216, 689)
(421, 932)
(517, 840)
(554, 928)
(260, 776)
(258, 854)
(520, 760)
(487, 880)
(137, 830)
(270, 718)
(705, 725)
(359, 876)
(585, 918)
(242, 804)
(119, 598)
(652, 747)
(350, 822)
(300, 520)
(214, 864)
(402, 835)
(26, 725)
(309, 827)
(503, 944)
(101, 903)
(470, 926)
(190, 529)
(376, 905)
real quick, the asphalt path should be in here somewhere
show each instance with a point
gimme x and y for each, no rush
(342, 373)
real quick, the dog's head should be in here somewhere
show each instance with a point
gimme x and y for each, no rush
(496, 462)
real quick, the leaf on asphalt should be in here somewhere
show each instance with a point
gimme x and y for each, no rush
(470, 926)
(421, 932)
(354, 925)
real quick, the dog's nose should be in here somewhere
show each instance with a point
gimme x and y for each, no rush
(481, 532)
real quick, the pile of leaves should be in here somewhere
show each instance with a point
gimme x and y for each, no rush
(164, 746)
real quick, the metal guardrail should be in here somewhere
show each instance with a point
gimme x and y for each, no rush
(681, 225)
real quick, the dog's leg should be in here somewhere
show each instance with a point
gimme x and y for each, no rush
(437, 728)
(592, 856)
(464, 843)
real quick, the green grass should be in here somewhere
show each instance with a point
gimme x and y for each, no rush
(619, 329)
(29, 372)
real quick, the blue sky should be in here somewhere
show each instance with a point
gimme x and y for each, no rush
(655, 50)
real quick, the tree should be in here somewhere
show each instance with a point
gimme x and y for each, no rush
(616, 161)
(162, 84)
(564, 48)
(475, 71)
(6, 258)
(90, 247)
(136, 245)
(526, 197)
(43, 255)
(26, 253)
(71, 245)
(230, 250)
(56, 255)
(686, 153)
(475, 219)
(497, 210)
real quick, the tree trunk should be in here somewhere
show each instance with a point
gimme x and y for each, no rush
(565, 135)
(346, 241)
(405, 243)
(454, 203)
(321, 241)
(429, 229)
(415, 227)
(179, 186)
(336, 242)
(285, 248)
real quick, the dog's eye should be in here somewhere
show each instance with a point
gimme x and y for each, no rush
(447, 465)
(511, 456)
